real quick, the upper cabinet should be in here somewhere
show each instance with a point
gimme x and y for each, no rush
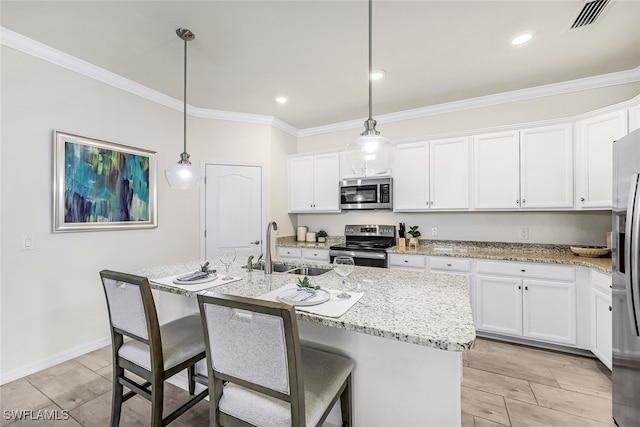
(529, 169)
(594, 161)
(314, 183)
(432, 175)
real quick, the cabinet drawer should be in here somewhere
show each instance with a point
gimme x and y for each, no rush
(315, 254)
(601, 281)
(408, 261)
(450, 264)
(521, 269)
(284, 252)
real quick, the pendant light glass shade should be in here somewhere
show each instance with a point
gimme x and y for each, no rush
(183, 175)
(370, 154)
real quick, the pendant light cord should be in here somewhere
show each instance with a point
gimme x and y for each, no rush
(370, 58)
(184, 108)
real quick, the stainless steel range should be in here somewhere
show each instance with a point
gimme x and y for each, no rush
(366, 244)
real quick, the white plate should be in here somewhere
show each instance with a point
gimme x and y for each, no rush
(209, 278)
(321, 296)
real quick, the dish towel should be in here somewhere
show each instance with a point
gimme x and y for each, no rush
(334, 307)
(168, 281)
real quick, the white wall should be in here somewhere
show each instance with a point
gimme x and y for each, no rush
(51, 299)
(543, 227)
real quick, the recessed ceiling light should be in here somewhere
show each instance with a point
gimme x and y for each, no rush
(378, 74)
(521, 38)
(281, 100)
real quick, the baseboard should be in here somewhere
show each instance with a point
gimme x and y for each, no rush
(531, 343)
(53, 360)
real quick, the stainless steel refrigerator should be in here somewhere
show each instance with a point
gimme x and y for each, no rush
(626, 280)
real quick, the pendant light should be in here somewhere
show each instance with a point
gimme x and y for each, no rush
(370, 154)
(183, 175)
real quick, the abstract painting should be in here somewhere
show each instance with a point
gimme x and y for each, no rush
(100, 185)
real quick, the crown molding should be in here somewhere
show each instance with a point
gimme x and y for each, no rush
(42, 51)
(47, 53)
(595, 82)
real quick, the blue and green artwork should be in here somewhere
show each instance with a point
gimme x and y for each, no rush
(104, 185)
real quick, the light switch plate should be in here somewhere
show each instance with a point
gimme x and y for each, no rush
(28, 242)
(434, 231)
(523, 233)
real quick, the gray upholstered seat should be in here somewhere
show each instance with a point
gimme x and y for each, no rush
(153, 352)
(271, 380)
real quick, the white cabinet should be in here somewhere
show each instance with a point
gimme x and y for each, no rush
(496, 171)
(601, 317)
(432, 175)
(594, 161)
(314, 183)
(303, 254)
(634, 118)
(534, 301)
(546, 167)
(407, 262)
(529, 169)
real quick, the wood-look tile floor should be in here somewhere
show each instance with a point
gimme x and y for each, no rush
(504, 385)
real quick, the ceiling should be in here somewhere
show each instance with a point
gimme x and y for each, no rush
(315, 52)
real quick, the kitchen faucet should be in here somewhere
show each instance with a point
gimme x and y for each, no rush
(268, 267)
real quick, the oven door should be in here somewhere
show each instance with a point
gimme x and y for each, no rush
(362, 258)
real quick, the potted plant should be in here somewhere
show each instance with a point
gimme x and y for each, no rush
(415, 233)
(322, 236)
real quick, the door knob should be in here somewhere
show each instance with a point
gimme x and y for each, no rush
(255, 242)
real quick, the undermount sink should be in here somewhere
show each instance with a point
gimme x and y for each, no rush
(294, 269)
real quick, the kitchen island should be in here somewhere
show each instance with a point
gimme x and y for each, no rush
(406, 336)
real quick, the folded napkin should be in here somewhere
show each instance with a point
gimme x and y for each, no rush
(334, 307)
(194, 287)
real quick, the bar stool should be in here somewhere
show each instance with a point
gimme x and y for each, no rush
(259, 373)
(151, 351)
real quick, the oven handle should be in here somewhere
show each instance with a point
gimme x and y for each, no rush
(358, 254)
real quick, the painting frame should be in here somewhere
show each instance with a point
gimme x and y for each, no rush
(95, 190)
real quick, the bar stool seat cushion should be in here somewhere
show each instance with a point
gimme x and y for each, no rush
(323, 375)
(182, 339)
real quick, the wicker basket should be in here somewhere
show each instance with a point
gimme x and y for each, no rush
(590, 251)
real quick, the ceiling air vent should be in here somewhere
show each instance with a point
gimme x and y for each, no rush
(590, 12)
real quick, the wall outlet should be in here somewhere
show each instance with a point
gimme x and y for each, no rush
(434, 231)
(523, 233)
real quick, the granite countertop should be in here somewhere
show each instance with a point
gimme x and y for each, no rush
(551, 254)
(426, 309)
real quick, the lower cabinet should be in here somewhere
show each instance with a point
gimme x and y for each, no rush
(303, 254)
(407, 262)
(538, 309)
(601, 317)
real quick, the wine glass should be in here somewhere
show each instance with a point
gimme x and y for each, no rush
(226, 257)
(343, 266)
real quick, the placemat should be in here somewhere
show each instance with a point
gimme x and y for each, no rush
(334, 307)
(168, 281)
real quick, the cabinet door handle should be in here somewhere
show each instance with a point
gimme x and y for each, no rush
(448, 265)
(519, 287)
(523, 201)
(523, 271)
(406, 260)
(526, 288)
(431, 202)
(582, 199)
(610, 308)
(255, 242)
(517, 202)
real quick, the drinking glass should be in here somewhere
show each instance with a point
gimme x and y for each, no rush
(343, 266)
(226, 257)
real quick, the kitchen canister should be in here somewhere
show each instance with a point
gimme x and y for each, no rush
(311, 236)
(302, 234)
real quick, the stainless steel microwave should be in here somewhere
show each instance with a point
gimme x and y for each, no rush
(366, 193)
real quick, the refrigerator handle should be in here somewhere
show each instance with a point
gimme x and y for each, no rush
(631, 252)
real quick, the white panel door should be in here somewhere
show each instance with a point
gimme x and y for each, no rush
(546, 167)
(496, 171)
(449, 173)
(498, 304)
(233, 209)
(595, 138)
(411, 177)
(549, 311)
(634, 118)
(300, 181)
(326, 182)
